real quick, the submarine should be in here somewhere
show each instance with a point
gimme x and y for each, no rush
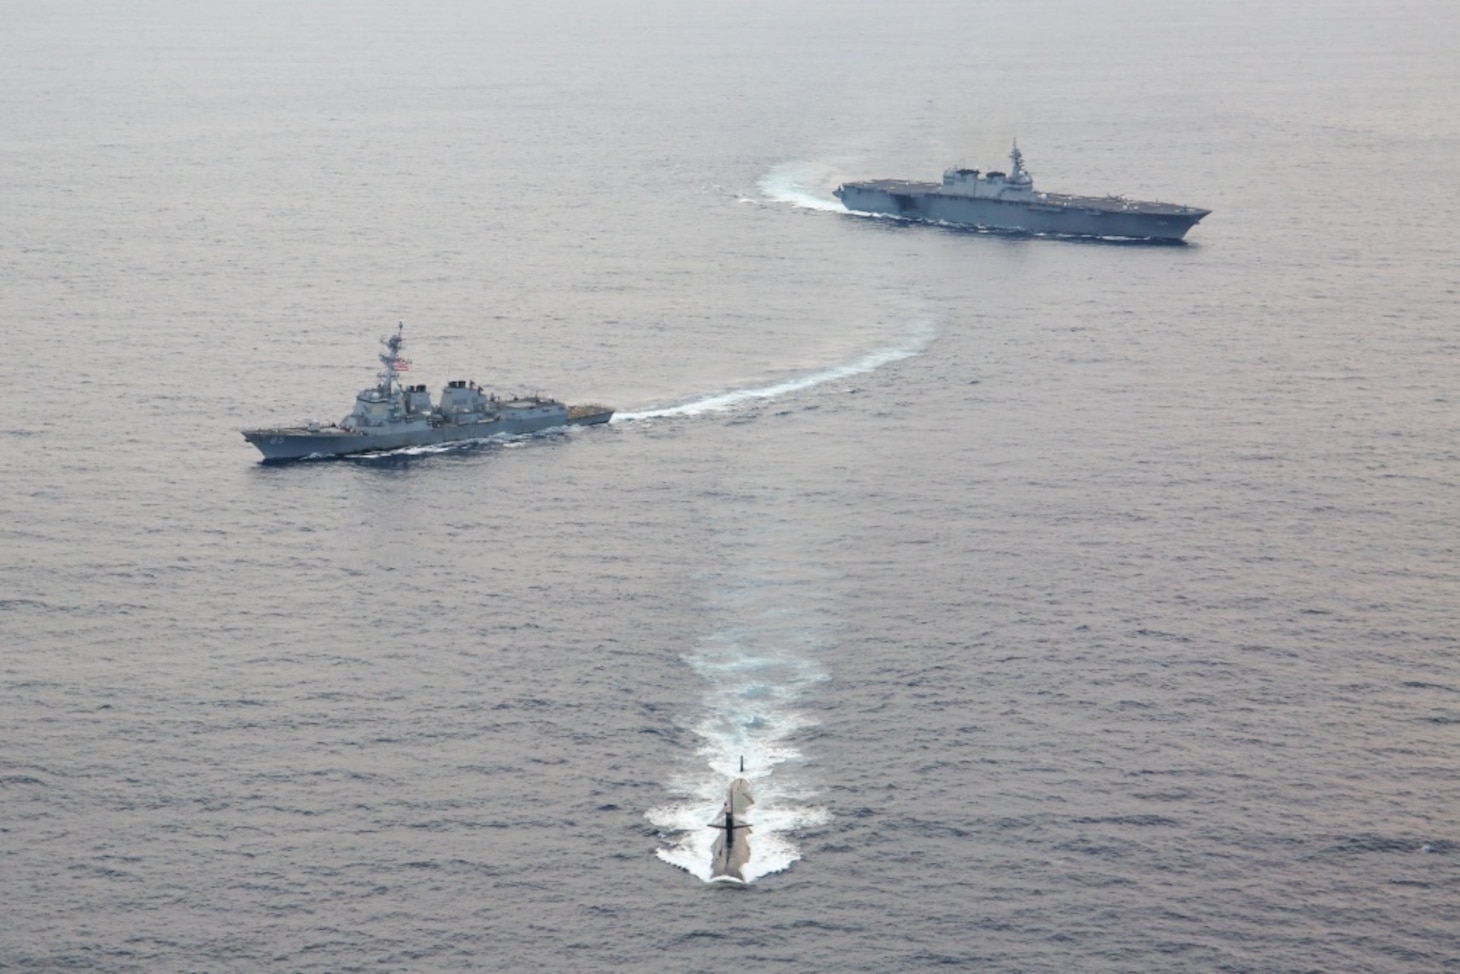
(732, 847)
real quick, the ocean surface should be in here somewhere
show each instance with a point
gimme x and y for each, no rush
(1073, 607)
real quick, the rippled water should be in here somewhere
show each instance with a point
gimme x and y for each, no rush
(1073, 607)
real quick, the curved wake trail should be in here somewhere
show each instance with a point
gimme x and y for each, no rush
(916, 340)
(749, 713)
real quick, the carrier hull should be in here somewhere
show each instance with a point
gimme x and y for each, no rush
(1009, 202)
(1054, 214)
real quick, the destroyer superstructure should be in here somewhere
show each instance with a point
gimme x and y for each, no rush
(1009, 201)
(391, 415)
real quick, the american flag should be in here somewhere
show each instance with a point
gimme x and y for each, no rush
(401, 365)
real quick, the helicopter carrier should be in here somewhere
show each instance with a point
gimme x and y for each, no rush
(391, 415)
(1009, 202)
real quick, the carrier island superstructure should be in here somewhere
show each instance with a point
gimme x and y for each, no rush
(1009, 202)
(391, 416)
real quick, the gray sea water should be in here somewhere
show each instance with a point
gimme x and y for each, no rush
(1074, 607)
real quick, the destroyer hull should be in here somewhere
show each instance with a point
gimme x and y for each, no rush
(1049, 214)
(296, 443)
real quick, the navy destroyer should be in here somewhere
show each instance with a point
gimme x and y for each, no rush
(1008, 201)
(390, 415)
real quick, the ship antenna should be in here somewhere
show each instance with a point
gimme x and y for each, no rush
(391, 358)
(1018, 175)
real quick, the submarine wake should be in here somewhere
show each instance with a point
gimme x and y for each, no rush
(793, 182)
(913, 343)
(749, 719)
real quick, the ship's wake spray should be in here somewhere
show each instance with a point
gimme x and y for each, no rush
(504, 441)
(912, 343)
(746, 731)
(801, 184)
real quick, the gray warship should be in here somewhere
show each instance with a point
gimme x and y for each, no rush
(390, 416)
(1008, 201)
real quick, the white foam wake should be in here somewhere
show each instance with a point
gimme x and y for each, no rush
(914, 342)
(503, 440)
(801, 184)
(749, 714)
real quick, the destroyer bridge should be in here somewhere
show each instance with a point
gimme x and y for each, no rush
(1008, 201)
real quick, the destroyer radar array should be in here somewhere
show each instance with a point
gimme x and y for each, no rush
(1008, 201)
(393, 416)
